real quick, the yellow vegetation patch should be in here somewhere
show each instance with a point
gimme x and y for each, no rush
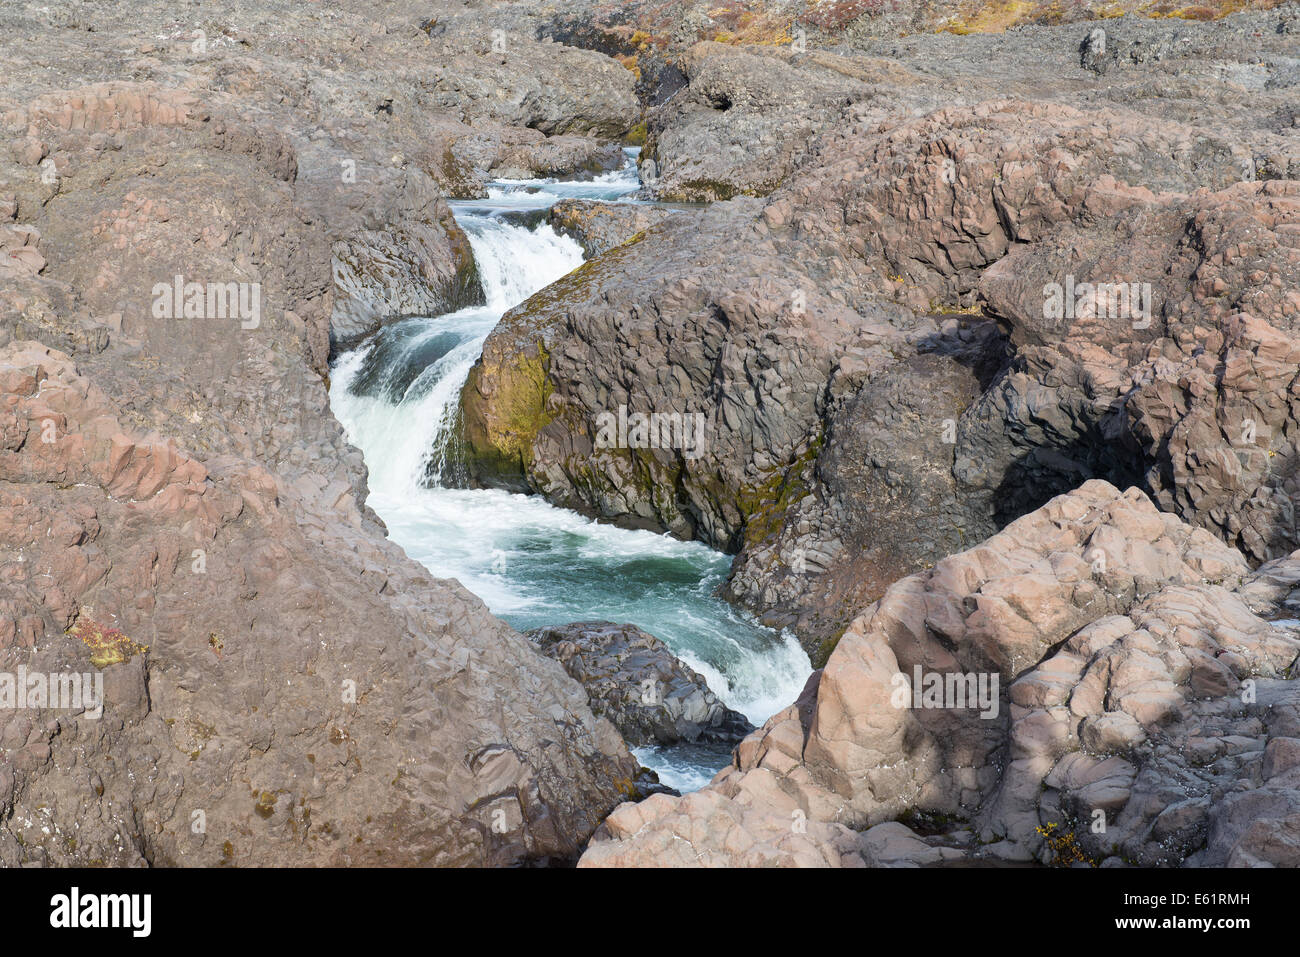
(1065, 846)
(995, 17)
(740, 25)
(630, 63)
(1000, 15)
(108, 646)
(1209, 10)
(1111, 11)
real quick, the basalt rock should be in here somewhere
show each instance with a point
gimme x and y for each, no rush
(635, 681)
(706, 829)
(412, 261)
(223, 592)
(742, 122)
(509, 77)
(1140, 688)
(885, 459)
(797, 329)
(1092, 52)
(599, 227)
(1175, 363)
(182, 516)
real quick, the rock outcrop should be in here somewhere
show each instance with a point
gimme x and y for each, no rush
(410, 260)
(635, 681)
(1177, 365)
(800, 335)
(1143, 703)
(182, 519)
(599, 227)
(742, 122)
(251, 694)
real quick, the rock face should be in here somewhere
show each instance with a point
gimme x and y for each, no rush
(1092, 52)
(600, 227)
(635, 681)
(884, 460)
(853, 436)
(411, 260)
(261, 702)
(836, 322)
(1194, 393)
(1144, 712)
(506, 76)
(798, 334)
(741, 123)
(181, 517)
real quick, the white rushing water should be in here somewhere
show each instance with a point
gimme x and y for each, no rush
(534, 564)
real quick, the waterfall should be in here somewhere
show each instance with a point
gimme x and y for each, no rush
(399, 394)
(534, 564)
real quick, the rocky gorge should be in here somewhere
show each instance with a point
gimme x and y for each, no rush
(944, 341)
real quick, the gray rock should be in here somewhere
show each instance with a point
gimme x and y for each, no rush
(283, 685)
(635, 681)
(599, 227)
(1097, 661)
(1092, 52)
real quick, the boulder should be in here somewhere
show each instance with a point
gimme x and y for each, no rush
(635, 681)
(599, 227)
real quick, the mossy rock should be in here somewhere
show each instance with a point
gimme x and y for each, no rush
(637, 135)
(500, 420)
(764, 504)
(505, 401)
(465, 288)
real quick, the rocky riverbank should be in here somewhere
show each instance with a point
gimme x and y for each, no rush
(634, 680)
(1147, 715)
(196, 208)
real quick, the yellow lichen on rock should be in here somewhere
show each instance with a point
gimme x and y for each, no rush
(108, 646)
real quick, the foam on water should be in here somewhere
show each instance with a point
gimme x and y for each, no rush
(532, 194)
(534, 564)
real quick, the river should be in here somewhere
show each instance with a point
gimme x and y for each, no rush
(531, 563)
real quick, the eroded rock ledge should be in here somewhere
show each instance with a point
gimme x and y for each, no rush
(1146, 683)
